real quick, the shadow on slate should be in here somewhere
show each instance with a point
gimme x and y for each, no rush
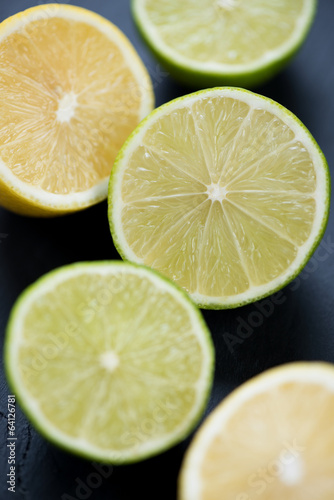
(49, 243)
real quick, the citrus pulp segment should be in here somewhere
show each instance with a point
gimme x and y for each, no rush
(224, 191)
(270, 439)
(224, 42)
(72, 89)
(109, 360)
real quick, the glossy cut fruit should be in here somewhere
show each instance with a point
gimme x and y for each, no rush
(72, 88)
(109, 360)
(271, 439)
(224, 42)
(224, 191)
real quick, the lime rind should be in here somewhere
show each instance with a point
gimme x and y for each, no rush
(66, 442)
(194, 74)
(245, 298)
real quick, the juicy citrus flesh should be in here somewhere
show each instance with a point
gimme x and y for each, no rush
(224, 36)
(109, 360)
(72, 90)
(271, 439)
(223, 192)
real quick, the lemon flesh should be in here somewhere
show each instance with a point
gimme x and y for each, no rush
(72, 89)
(272, 438)
(109, 360)
(223, 191)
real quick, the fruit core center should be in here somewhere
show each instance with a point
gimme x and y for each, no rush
(226, 4)
(67, 106)
(292, 470)
(109, 360)
(216, 192)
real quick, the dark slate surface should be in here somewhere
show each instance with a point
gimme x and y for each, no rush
(299, 326)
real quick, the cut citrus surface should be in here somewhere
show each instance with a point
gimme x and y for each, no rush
(224, 42)
(224, 191)
(72, 89)
(273, 438)
(109, 360)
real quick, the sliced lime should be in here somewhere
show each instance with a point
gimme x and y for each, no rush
(109, 360)
(224, 42)
(223, 191)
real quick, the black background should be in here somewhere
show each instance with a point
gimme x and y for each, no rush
(298, 327)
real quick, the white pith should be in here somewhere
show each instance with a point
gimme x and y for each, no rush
(226, 4)
(110, 361)
(67, 107)
(292, 472)
(216, 192)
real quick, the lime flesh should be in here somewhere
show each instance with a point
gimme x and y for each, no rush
(224, 42)
(109, 360)
(223, 191)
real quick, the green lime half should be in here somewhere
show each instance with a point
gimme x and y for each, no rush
(224, 191)
(109, 360)
(224, 42)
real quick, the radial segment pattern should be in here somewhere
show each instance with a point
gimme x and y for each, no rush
(69, 100)
(283, 445)
(271, 439)
(237, 27)
(110, 360)
(220, 194)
